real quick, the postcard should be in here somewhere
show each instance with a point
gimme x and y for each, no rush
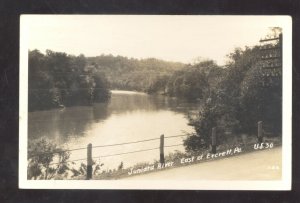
(180, 102)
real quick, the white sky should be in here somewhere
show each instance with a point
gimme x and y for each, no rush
(173, 38)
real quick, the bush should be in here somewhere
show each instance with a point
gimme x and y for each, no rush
(42, 154)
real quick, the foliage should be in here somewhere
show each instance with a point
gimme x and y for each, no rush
(42, 153)
(57, 80)
(238, 101)
(157, 76)
(260, 103)
(147, 75)
(48, 161)
(175, 156)
(82, 170)
(101, 87)
(195, 81)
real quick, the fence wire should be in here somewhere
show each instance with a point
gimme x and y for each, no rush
(117, 154)
(109, 145)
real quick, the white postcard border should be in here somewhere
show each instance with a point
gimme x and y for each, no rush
(285, 184)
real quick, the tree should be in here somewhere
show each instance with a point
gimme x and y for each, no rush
(40, 83)
(101, 92)
(238, 101)
(260, 103)
(131, 74)
(57, 80)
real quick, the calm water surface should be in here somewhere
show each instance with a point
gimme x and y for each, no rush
(128, 116)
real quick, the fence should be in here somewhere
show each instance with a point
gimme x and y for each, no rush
(161, 148)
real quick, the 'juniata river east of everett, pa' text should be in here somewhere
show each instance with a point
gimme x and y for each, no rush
(187, 160)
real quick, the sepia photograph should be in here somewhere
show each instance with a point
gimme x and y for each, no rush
(155, 102)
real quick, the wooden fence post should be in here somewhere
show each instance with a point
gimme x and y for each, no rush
(260, 131)
(214, 140)
(89, 169)
(161, 150)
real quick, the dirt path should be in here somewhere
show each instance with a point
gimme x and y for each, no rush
(260, 165)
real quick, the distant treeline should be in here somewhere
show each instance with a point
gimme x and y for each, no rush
(158, 76)
(133, 74)
(57, 80)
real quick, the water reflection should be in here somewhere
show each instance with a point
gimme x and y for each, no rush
(127, 117)
(124, 103)
(59, 125)
(100, 111)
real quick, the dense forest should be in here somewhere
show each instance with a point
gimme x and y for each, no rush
(133, 74)
(57, 80)
(158, 76)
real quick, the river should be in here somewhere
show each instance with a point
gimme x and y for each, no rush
(127, 117)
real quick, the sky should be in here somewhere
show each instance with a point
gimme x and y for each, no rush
(173, 38)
